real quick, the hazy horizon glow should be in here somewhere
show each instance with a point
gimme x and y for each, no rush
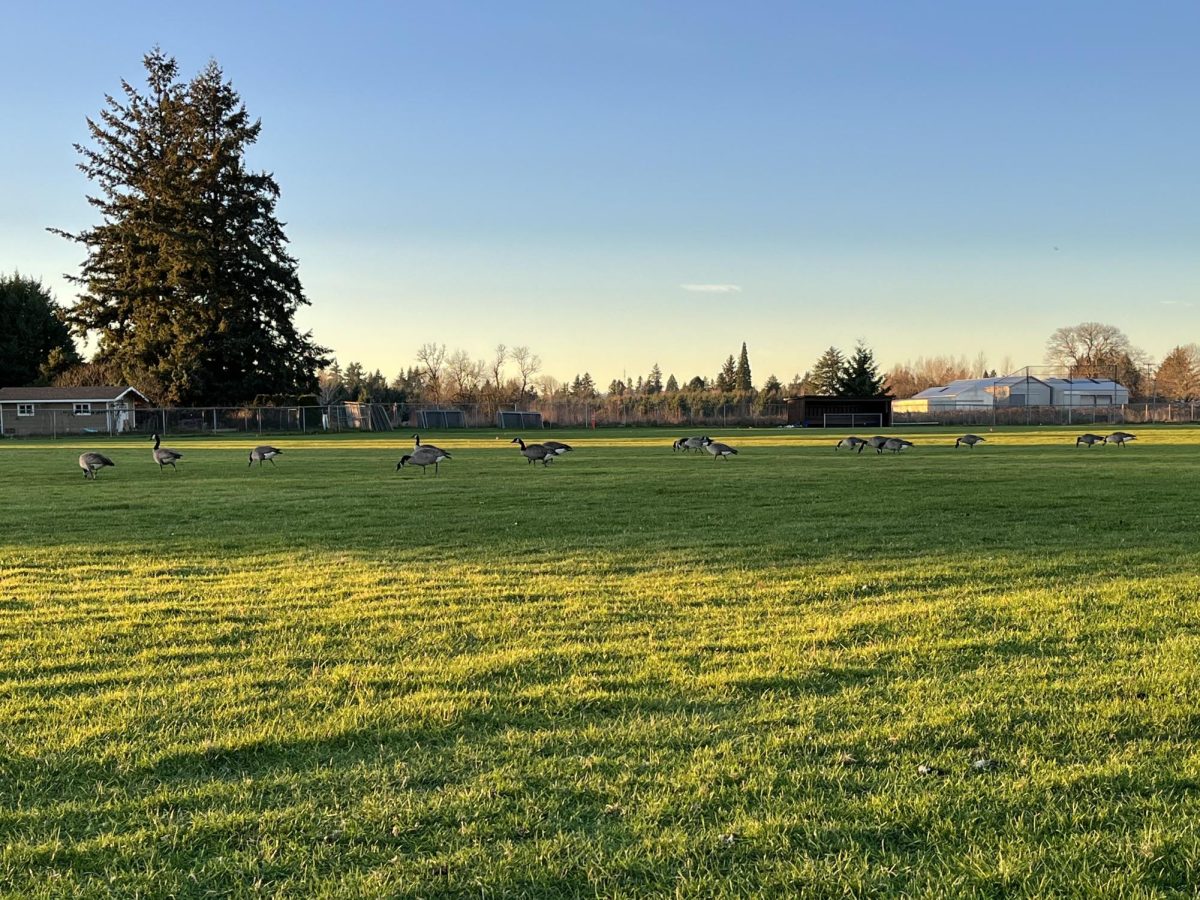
(619, 186)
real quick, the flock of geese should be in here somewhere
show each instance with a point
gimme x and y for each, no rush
(424, 455)
(92, 462)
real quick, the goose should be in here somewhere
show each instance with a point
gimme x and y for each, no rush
(896, 444)
(91, 461)
(851, 443)
(680, 444)
(165, 457)
(1120, 438)
(535, 452)
(558, 447)
(423, 456)
(1088, 439)
(876, 443)
(718, 450)
(418, 445)
(264, 451)
(970, 440)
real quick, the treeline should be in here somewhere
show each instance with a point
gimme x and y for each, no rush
(453, 378)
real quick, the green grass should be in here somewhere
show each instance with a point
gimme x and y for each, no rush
(631, 673)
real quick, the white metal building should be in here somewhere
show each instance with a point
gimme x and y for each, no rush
(1015, 390)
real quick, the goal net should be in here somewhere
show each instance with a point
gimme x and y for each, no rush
(852, 420)
(431, 419)
(519, 421)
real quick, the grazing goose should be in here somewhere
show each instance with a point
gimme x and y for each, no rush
(970, 440)
(557, 447)
(423, 456)
(718, 450)
(1120, 438)
(264, 451)
(851, 443)
(1088, 439)
(896, 444)
(680, 444)
(92, 461)
(876, 443)
(418, 445)
(165, 457)
(535, 452)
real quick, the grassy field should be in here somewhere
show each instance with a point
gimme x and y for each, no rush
(631, 673)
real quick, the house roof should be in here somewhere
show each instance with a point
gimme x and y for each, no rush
(965, 385)
(91, 394)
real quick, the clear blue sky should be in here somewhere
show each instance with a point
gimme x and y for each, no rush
(551, 174)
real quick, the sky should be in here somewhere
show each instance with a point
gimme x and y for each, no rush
(618, 184)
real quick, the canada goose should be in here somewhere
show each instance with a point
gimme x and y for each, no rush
(535, 452)
(557, 447)
(876, 443)
(718, 450)
(851, 443)
(896, 444)
(689, 443)
(423, 456)
(418, 445)
(1088, 439)
(265, 451)
(680, 444)
(970, 440)
(91, 461)
(1120, 438)
(165, 457)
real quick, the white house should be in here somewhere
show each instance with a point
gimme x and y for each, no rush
(66, 410)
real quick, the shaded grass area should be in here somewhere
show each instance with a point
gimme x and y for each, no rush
(629, 673)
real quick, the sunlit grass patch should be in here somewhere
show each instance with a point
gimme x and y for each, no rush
(630, 672)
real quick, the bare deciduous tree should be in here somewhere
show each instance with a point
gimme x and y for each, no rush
(432, 358)
(1088, 349)
(528, 364)
(464, 375)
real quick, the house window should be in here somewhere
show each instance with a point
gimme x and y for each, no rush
(24, 409)
(83, 409)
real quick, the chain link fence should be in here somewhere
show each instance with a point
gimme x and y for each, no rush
(1125, 414)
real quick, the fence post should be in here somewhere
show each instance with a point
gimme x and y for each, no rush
(54, 424)
(260, 420)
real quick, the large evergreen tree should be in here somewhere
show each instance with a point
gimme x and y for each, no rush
(35, 343)
(188, 283)
(826, 372)
(860, 376)
(727, 377)
(741, 378)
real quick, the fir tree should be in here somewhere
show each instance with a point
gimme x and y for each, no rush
(35, 343)
(826, 372)
(860, 376)
(672, 384)
(188, 284)
(742, 380)
(726, 378)
(654, 384)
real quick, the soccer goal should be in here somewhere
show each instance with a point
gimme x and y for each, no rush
(515, 420)
(430, 419)
(852, 420)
